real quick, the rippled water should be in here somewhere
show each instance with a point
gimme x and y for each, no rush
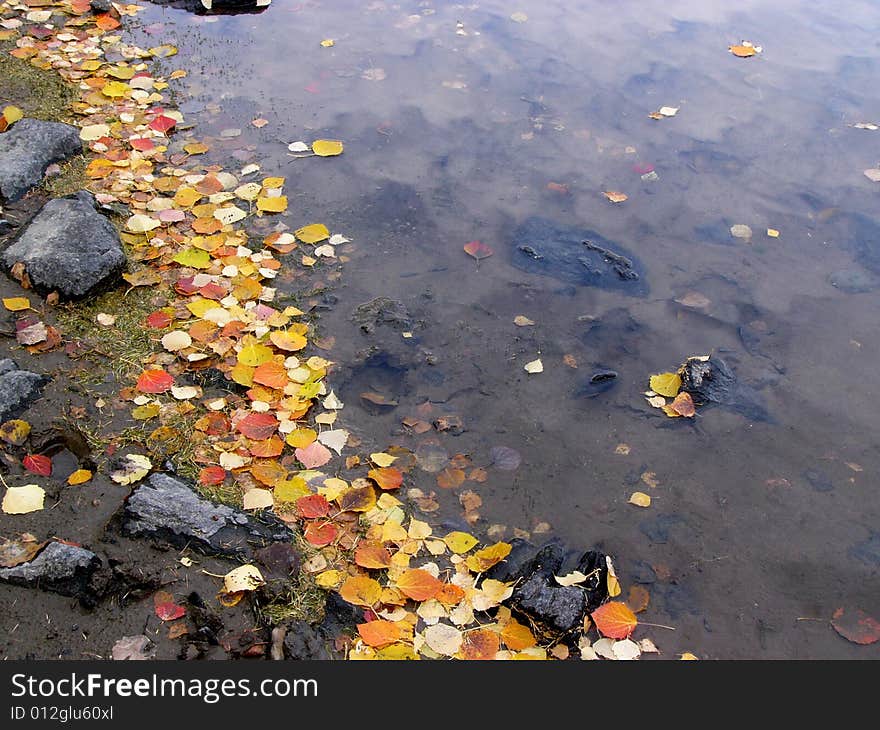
(456, 119)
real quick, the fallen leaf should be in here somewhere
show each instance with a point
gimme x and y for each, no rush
(534, 367)
(19, 550)
(640, 499)
(742, 51)
(131, 468)
(460, 542)
(80, 476)
(522, 321)
(615, 196)
(626, 650)
(154, 381)
(328, 43)
(873, 174)
(638, 598)
(516, 636)
(327, 147)
(243, 578)
(772, 233)
(21, 500)
(667, 384)
(694, 300)
(17, 304)
(614, 620)
(361, 591)
(856, 626)
(418, 584)
(483, 559)
(570, 361)
(314, 455)
(38, 464)
(320, 534)
(444, 639)
(683, 405)
(15, 432)
(570, 579)
(379, 633)
(478, 250)
(386, 477)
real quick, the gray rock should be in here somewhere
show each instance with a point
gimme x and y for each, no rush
(101, 6)
(28, 148)
(383, 311)
(59, 568)
(18, 389)
(168, 510)
(562, 607)
(68, 247)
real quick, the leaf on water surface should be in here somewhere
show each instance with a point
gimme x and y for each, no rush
(640, 499)
(873, 174)
(19, 550)
(614, 196)
(667, 384)
(856, 626)
(327, 147)
(534, 367)
(243, 578)
(361, 591)
(743, 51)
(683, 405)
(522, 321)
(478, 250)
(614, 620)
(505, 458)
(638, 599)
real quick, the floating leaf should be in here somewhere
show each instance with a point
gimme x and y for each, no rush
(358, 499)
(640, 499)
(314, 455)
(516, 636)
(614, 620)
(312, 233)
(254, 354)
(478, 250)
(856, 626)
(615, 196)
(372, 555)
(484, 559)
(460, 542)
(522, 321)
(667, 384)
(742, 51)
(534, 367)
(386, 477)
(327, 147)
(195, 258)
(258, 426)
(683, 405)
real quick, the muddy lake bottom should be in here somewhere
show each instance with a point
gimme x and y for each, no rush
(460, 124)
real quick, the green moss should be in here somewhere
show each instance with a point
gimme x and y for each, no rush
(71, 179)
(38, 93)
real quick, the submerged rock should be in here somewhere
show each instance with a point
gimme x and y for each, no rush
(18, 389)
(28, 148)
(68, 247)
(58, 567)
(575, 255)
(383, 311)
(712, 381)
(168, 510)
(538, 595)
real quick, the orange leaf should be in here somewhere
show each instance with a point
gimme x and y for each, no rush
(379, 633)
(478, 250)
(360, 591)
(683, 405)
(450, 478)
(313, 506)
(372, 555)
(638, 599)
(450, 595)
(516, 636)
(271, 374)
(267, 449)
(418, 585)
(268, 472)
(154, 381)
(320, 534)
(288, 341)
(615, 620)
(480, 644)
(258, 426)
(387, 477)
(484, 559)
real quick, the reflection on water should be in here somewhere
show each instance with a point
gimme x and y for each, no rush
(462, 124)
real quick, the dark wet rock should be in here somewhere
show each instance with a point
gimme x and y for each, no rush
(68, 247)
(28, 148)
(168, 510)
(819, 480)
(539, 596)
(853, 281)
(576, 255)
(656, 529)
(215, 7)
(601, 381)
(18, 389)
(383, 311)
(712, 381)
(59, 568)
(305, 641)
(867, 551)
(101, 6)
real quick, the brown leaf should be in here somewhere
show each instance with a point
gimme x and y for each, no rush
(856, 626)
(638, 598)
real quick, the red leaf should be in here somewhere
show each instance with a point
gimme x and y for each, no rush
(856, 626)
(478, 250)
(159, 319)
(162, 123)
(142, 144)
(38, 464)
(258, 426)
(615, 620)
(169, 611)
(320, 534)
(211, 476)
(154, 381)
(312, 506)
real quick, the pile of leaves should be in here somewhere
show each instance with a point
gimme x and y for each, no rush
(270, 426)
(665, 392)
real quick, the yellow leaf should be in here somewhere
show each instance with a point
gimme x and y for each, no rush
(640, 499)
(115, 89)
(667, 384)
(146, 412)
(200, 306)
(272, 205)
(21, 500)
(687, 656)
(195, 148)
(194, 258)
(243, 578)
(328, 43)
(327, 147)
(360, 591)
(273, 182)
(484, 559)
(185, 197)
(12, 114)
(15, 431)
(291, 490)
(254, 354)
(330, 578)
(381, 459)
(773, 233)
(17, 304)
(80, 476)
(460, 542)
(312, 233)
(743, 51)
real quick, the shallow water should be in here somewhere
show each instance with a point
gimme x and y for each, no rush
(761, 516)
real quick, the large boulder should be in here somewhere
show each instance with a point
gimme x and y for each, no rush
(68, 247)
(18, 389)
(170, 511)
(28, 148)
